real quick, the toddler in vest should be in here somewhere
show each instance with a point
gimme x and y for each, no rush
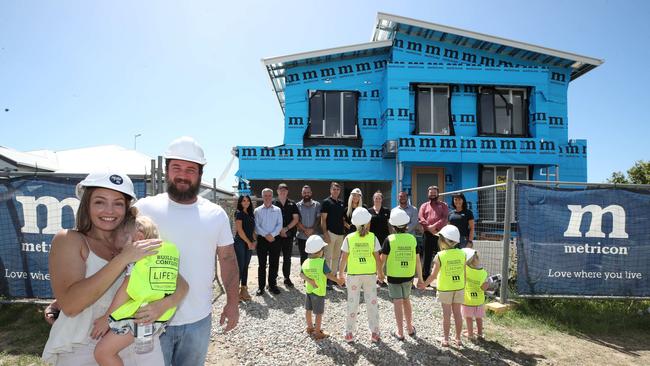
(476, 282)
(360, 255)
(401, 254)
(315, 272)
(449, 271)
(147, 280)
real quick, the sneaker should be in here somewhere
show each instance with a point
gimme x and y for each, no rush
(274, 290)
(260, 292)
(349, 338)
(288, 283)
(374, 338)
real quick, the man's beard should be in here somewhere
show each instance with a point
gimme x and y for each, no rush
(403, 202)
(433, 199)
(306, 198)
(182, 196)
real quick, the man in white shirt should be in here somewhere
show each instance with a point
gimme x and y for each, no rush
(200, 229)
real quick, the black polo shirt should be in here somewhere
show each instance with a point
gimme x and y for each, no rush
(334, 210)
(288, 209)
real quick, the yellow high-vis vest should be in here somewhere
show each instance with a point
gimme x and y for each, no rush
(401, 259)
(474, 294)
(151, 279)
(313, 268)
(361, 259)
(452, 270)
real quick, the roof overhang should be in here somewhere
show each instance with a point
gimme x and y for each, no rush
(276, 66)
(388, 25)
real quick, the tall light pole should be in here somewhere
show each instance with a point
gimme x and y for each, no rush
(135, 140)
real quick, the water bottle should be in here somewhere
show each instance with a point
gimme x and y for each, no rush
(143, 342)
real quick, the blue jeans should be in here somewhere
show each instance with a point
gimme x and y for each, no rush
(243, 259)
(187, 344)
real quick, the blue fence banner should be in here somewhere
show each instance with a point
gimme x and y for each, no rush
(583, 242)
(32, 211)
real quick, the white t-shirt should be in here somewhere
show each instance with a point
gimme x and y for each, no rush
(345, 246)
(196, 229)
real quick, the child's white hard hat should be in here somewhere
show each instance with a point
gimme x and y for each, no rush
(314, 244)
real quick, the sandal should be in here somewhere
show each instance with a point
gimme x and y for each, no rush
(458, 343)
(444, 343)
(412, 334)
(396, 336)
(318, 335)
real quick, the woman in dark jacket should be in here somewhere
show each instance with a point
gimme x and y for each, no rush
(244, 241)
(462, 218)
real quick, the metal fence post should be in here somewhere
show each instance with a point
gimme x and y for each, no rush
(507, 219)
(152, 177)
(159, 174)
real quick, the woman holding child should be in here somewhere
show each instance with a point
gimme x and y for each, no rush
(87, 266)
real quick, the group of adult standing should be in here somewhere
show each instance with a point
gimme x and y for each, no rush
(270, 228)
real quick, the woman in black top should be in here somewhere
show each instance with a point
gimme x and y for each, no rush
(462, 218)
(379, 222)
(244, 241)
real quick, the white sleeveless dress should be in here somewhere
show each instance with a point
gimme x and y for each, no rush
(70, 342)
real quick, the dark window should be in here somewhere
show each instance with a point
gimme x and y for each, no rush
(503, 112)
(333, 114)
(433, 110)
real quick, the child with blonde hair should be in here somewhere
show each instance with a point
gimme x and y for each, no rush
(315, 272)
(449, 272)
(476, 283)
(148, 280)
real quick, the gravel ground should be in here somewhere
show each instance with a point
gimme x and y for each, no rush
(271, 331)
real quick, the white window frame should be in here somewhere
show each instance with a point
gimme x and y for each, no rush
(431, 87)
(494, 204)
(341, 114)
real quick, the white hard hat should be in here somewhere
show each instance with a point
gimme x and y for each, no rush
(360, 216)
(111, 180)
(450, 232)
(356, 191)
(314, 244)
(469, 253)
(185, 148)
(399, 217)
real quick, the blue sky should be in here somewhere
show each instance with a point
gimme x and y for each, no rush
(83, 73)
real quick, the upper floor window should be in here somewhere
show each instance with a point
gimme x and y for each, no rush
(333, 114)
(503, 111)
(432, 106)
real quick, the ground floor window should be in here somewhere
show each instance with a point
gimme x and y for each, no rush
(492, 202)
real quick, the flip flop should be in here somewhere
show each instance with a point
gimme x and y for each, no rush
(412, 334)
(458, 343)
(444, 343)
(396, 336)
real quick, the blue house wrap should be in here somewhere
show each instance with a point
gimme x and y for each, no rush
(421, 104)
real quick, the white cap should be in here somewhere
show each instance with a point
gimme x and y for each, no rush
(360, 216)
(450, 232)
(185, 148)
(356, 191)
(314, 244)
(111, 180)
(469, 254)
(399, 217)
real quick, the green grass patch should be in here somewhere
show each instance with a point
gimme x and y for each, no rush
(23, 334)
(596, 317)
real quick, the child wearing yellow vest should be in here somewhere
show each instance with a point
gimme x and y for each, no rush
(476, 282)
(315, 272)
(360, 254)
(401, 254)
(449, 270)
(147, 281)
